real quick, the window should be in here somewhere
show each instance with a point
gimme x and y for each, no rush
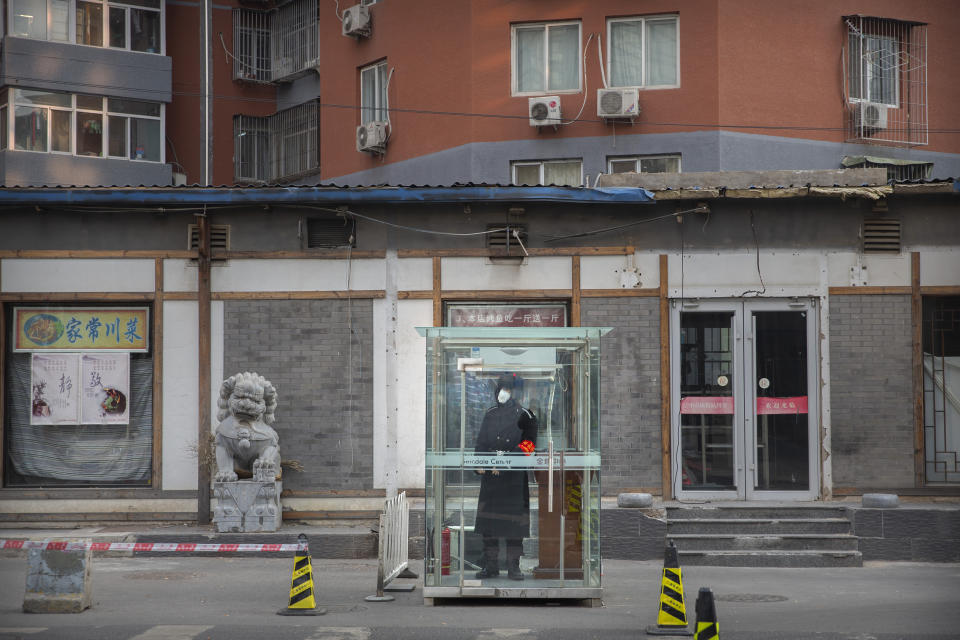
(282, 145)
(643, 52)
(546, 172)
(885, 77)
(251, 46)
(55, 122)
(373, 93)
(134, 25)
(644, 164)
(546, 58)
(941, 388)
(89, 383)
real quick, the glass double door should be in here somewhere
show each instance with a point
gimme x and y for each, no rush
(744, 400)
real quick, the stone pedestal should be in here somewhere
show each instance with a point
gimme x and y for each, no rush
(246, 506)
(57, 581)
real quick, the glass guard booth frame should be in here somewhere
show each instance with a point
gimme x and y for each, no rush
(557, 376)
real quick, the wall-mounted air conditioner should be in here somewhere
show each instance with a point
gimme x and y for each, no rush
(356, 21)
(869, 115)
(618, 103)
(544, 111)
(372, 137)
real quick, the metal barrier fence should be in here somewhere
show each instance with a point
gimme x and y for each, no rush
(393, 557)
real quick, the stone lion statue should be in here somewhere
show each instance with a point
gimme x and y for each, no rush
(244, 439)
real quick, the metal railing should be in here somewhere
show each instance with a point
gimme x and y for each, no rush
(393, 558)
(278, 146)
(275, 45)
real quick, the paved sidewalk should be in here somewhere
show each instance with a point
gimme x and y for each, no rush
(131, 595)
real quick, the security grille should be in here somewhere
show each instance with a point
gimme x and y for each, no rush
(881, 236)
(277, 45)
(219, 237)
(331, 232)
(885, 75)
(941, 388)
(279, 146)
(501, 236)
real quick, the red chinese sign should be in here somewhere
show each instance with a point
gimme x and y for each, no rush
(553, 315)
(703, 405)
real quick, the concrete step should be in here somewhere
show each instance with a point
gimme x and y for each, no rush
(760, 541)
(808, 558)
(755, 512)
(773, 526)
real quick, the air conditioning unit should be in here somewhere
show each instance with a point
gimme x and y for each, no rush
(618, 103)
(869, 115)
(356, 21)
(544, 111)
(372, 137)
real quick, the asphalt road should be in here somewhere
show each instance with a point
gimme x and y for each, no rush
(165, 598)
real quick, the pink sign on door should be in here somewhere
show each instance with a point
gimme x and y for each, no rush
(703, 405)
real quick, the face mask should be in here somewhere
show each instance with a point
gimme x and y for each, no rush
(503, 396)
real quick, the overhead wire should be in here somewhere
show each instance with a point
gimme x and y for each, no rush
(698, 209)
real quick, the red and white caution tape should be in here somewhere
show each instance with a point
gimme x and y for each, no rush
(62, 545)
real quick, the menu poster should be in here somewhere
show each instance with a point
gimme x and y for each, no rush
(55, 388)
(106, 388)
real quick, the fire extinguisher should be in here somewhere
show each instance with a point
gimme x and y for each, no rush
(445, 552)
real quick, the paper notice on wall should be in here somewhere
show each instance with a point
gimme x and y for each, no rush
(55, 387)
(106, 388)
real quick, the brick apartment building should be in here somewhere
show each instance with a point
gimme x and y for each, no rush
(836, 292)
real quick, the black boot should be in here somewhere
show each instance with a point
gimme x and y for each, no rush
(513, 571)
(514, 551)
(491, 559)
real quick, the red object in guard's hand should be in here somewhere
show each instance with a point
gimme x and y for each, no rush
(527, 447)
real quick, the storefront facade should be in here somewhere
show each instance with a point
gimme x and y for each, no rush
(757, 350)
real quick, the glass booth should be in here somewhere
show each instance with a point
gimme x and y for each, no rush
(512, 462)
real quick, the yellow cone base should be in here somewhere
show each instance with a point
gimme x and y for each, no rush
(707, 631)
(302, 602)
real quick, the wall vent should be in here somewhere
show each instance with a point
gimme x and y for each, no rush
(881, 235)
(219, 237)
(501, 237)
(325, 233)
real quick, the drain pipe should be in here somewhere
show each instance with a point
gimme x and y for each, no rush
(206, 7)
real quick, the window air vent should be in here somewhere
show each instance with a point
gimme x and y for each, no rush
(881, 236)
(219, 237)
(324, 233)
(502, 237)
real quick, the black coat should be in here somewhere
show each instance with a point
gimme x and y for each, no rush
(503, 508)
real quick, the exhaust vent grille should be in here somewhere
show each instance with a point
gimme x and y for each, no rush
(503, 239)
(325, 233)
(219, 237)
(881, 236)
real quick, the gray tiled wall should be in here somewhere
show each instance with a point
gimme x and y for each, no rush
(323, 376)
(630, 394)
(871, 386)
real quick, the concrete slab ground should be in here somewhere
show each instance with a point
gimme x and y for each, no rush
(219, 597)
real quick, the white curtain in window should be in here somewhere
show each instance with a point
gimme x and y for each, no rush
(883, 61)
(28, 19)
(661, 52)
(562, 173)
(528, 174)
(368, 95)
(530, 62)
(382, 92)
(564, 46)
(626, 47)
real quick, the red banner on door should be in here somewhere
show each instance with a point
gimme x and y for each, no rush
(714, 405)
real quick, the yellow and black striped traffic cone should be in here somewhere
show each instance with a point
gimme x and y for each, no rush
(707, 626)
(302, 602)
(671, 612)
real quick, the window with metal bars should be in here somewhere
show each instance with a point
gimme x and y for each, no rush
(886, 79)
(279, 146)
(219, 237)
(277, 45)
(941, 388)
(331, 232)
(881, 235)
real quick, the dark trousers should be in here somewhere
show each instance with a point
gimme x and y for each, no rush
(491, 552)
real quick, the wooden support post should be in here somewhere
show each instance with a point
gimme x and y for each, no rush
(203, 357)
(575, 291)
(916, 305)
(437, 291)
(156, 479)
(665, 452)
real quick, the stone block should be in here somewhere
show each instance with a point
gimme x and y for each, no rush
(867, 523)
(634, 500)
(885, 549)
(880, 500)
(246, 506)
(935, 550)
(57, 581)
